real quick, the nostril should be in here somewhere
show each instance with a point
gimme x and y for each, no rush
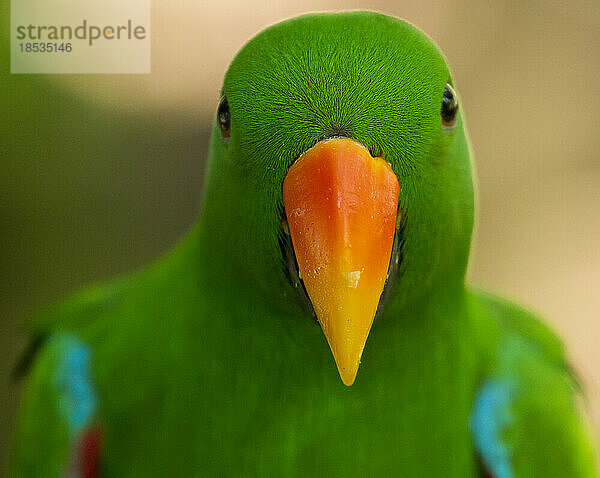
(336, 133)
(376, 152)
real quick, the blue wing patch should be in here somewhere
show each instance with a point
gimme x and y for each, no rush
(77, 400)
(491, 416)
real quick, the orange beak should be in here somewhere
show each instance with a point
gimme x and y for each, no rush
(341, 206)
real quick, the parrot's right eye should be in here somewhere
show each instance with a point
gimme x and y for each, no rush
(449, 107)
(224, 117)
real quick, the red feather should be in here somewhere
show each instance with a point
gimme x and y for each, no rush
(86, 458)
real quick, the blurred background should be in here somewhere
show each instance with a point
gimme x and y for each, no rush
(100, 174)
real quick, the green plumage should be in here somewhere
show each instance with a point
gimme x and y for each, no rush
(207, 363)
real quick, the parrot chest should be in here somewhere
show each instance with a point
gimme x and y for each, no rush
(269, 417)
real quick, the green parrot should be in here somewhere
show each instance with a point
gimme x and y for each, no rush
(338, 205)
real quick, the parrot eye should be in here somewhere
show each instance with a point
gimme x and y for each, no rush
(224, 117)
(449, 107)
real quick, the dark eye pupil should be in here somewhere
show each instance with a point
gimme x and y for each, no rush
(449, 106)
(224, 117)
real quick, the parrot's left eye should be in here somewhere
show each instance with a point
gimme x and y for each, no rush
(449, 107)
(224, 117)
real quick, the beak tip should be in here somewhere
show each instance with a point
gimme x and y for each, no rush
(348, 378)
(348, 371)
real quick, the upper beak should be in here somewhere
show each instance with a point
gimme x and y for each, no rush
(341, 206)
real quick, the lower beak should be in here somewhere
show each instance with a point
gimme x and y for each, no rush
(341, 206)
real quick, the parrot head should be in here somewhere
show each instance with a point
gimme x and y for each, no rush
(341, 167)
